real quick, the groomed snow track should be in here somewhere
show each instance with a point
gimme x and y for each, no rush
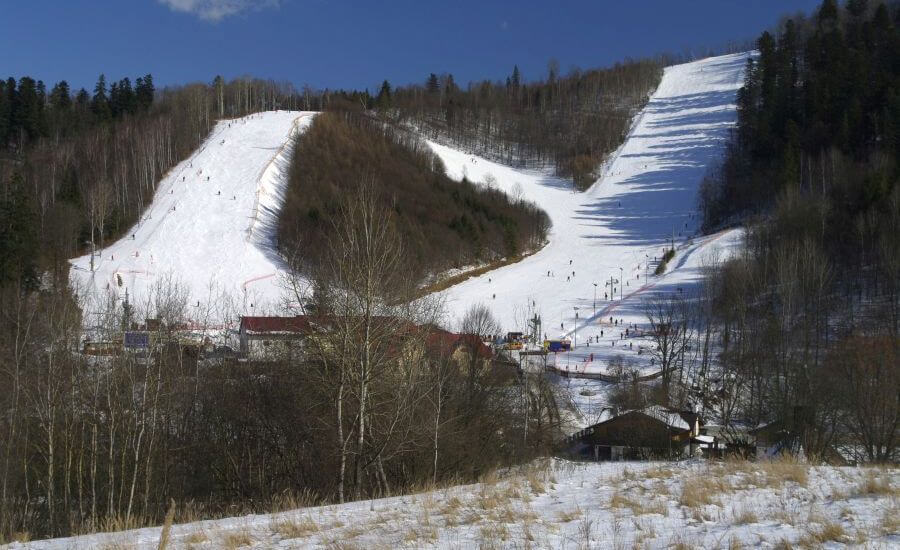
(208, 233)
(645, 199)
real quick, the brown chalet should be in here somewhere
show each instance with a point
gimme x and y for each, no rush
(652, 432)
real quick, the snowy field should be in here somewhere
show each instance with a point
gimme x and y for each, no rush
(560, 504)
(210, 224)
(646, 195)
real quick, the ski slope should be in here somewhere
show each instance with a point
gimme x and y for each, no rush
(210, 225)
(645, 197)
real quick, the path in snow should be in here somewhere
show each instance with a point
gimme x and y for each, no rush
(647, 195)
(210, 225)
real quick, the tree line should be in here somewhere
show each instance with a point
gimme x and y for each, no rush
(446, 224)
(377, 400)
(806, 319)
(78, 169)
(568, 121)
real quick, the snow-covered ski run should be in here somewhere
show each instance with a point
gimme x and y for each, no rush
(210, 226)
(618, 229)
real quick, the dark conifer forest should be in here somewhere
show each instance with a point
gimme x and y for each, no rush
(79, 167)
(813, 170)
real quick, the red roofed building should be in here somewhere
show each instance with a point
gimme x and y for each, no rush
(459, 347)
(273, 337)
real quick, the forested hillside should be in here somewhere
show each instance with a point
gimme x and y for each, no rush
(445, 224)
(809, 317)
(570, 122)
(78, 168)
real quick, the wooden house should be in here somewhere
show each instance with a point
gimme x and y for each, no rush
(650, 433)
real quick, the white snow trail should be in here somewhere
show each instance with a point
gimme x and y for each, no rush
(646, 197)
(210, 226)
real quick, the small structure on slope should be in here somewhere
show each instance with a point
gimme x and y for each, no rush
(650, 433)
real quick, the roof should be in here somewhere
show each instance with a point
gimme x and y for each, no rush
(445, 342)
(299, 324)
(679, 420)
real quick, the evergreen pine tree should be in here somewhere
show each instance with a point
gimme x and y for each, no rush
(4, 116)
(18, 234)
(828, 12)
(432, 86)
(100, 101)
(144, 91)
(60, 100)
(383, 100)
(857, 8)
(127, 100)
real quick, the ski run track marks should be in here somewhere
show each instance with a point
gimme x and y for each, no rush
(210, 227)
(645, 199)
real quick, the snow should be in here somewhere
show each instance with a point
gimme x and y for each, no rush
(646, 196)
(210, 224)
(562, 504)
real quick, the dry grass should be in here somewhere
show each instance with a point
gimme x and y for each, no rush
(639, 507)
(197, 537)
(890, 521)
(490, 499)
(659, 472)
(492, 533)
(18, 536)
(167, 527)
(744, 516)
(290, 500)
(735, 543)
(875, 484)
(680, 542)
(569, 515)
(694, 495)
(828, 531)
(786, 469)
(295, 529)
(236, 539)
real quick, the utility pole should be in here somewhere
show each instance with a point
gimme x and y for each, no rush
(621, 278)
(575, 330)
(595, 299)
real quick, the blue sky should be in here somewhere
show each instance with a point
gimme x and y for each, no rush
(350, 44)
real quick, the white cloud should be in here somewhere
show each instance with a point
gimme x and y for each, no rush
(216, 10)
